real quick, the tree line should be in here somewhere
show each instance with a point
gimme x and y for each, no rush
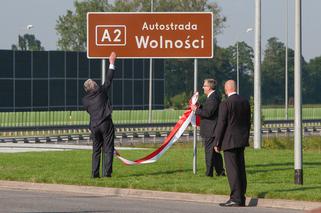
(71, 29)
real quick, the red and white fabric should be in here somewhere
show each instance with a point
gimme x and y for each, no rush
(181, 125)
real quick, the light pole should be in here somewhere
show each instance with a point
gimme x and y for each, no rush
(257, 77)
(237, 63)
(150, 97)
(286, 60)
(298, 171)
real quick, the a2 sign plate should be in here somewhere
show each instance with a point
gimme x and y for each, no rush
(150, 35)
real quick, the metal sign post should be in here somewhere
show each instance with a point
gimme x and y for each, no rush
(195, 127)
(103, 72)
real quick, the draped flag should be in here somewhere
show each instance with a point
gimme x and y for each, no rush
(187, 118)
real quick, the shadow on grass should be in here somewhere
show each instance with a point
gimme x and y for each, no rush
(286, 166)
(297, 189)
(158, 173)
(254, 171)
(271, 164)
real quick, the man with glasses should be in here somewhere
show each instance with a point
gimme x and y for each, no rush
(208, 113)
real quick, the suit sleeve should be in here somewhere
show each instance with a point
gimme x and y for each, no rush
(221, 124)
(109, 78)
(208, 109)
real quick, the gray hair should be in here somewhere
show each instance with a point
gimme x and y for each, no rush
(90, 85)
(211, 83)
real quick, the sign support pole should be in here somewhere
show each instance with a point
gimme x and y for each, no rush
(103, 72)
(195, 127)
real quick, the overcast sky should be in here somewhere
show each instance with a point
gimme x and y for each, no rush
(15, 15)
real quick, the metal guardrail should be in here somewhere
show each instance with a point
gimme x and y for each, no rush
(291, 122)
(75, 127)
(72, 133)
(147, 136)
(147, 126)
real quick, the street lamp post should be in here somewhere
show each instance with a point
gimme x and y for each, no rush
(298, 176)
(150, 97)
(286, 60)
(257, 77)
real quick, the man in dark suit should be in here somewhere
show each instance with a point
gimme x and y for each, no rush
(98, 105)
(208, 113)
(232, 136)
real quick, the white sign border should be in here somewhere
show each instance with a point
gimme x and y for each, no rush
(163, 57)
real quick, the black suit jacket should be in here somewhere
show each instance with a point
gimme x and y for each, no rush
(234, 123)
(208, 113)
(97, 103)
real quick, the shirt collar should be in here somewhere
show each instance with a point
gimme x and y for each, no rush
(232, 93)
(210, 93)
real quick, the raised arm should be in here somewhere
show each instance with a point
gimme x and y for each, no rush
(110, 71)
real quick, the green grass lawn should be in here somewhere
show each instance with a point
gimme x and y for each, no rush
(270, 172)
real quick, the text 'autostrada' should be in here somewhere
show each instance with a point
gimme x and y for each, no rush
(163, 42)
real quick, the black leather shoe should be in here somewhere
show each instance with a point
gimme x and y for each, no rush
(231, 203)
(107, 176)
(221, 174)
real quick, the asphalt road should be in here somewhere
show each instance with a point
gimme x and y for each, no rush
(27, 201)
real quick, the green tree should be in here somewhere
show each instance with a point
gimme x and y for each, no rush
(273, 72)
(246, 55)
(27, 42)
(312, 81)
(179, 73)
(71, 27)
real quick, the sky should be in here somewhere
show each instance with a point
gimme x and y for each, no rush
(15, 15)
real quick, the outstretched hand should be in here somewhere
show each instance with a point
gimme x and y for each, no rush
(112, 58)
(217, 149)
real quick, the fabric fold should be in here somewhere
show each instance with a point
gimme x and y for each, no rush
(179, 128)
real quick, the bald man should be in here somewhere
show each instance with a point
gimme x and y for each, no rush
(232, 136)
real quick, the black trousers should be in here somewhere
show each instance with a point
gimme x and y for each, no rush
(103, 142)
(212, 158)
(236, 174)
